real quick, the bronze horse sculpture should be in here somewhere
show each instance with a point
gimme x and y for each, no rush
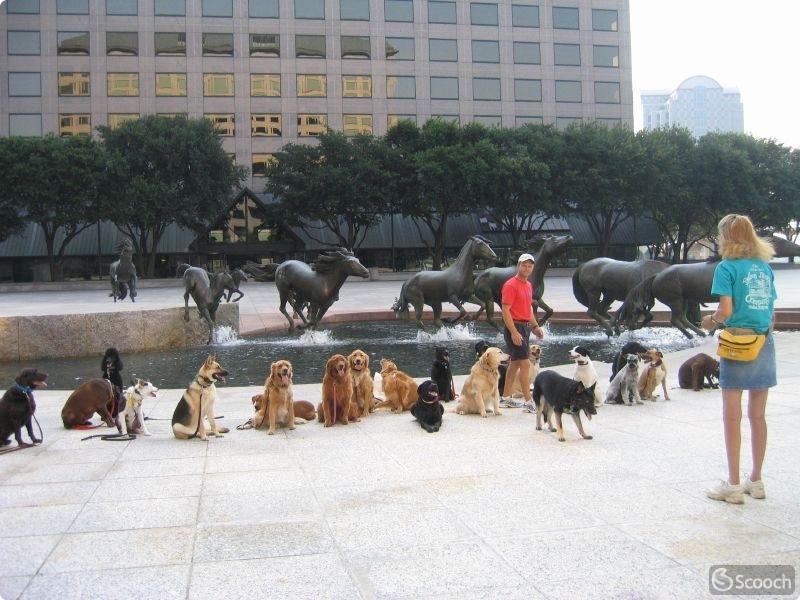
(455, 284)
(300, 285)
(598, 283)
(207, 290)
(489, 284)
(122, 273)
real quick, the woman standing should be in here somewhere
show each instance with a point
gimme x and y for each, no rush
(745, 284)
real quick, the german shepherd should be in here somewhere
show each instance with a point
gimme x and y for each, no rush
(197, 403)
(553, 393)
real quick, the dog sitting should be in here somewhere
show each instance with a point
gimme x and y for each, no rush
(654, 373)
(698, 369)
(399, 389)
(480, 347)
(304, 412)
(279, 406)
(363, 401)
(131, 417)
(480, 389)
(17, 407)
(94, 396)
(111, 367)
(428, 410)
(197, 403)
(624, 388)
(337, 392)
(556, 394)
(620, 357)
(442, 375)
(585, 371)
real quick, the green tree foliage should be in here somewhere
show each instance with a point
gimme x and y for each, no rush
(12, 174)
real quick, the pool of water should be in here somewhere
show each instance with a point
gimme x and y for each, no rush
(248, 359)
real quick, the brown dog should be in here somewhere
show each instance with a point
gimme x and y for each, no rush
(399, 388)
(304, 412)
(337, 392)
(480, 388)
(363, 402)
(94, 396)
(655, 372)
(695, 370)
(279, 407)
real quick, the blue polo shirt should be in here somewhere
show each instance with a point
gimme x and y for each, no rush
(750, 283)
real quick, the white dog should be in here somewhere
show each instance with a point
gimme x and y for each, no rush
(131, 417)
(625, 383)
(585, 372)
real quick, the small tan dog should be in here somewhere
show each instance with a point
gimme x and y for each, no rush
(363, 401)
(480, 388)
(535, 355)
(279, 407)
(399, 388)
(655, 372)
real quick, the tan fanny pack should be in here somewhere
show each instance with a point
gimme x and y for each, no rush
(740, 344)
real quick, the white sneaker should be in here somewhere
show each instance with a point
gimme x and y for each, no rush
(727, 492)
(530, 407)
(510, 403)
(755, 489)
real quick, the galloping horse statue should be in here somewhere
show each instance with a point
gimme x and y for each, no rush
(455, 284)
(207, 290)
(299, 284)
(122, 273)
(489, 284)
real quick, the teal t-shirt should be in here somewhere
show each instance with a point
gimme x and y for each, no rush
(751, 284)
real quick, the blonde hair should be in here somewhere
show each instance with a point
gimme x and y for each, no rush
(738, 239)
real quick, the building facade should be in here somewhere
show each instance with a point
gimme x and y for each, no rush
(272, 71)
(699, 103)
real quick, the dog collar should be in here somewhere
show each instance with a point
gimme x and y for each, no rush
(430, 401)
(209, 384)
(28, 391)
(485, 368)
(582, 363)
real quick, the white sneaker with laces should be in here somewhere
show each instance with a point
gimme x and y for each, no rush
(727, 492)
(510, 403)
(530, 407)
(755, 489)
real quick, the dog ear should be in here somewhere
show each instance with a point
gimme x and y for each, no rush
(660, 354)
(579, 388)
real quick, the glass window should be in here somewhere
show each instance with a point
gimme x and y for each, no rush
(604, 20)
(73, 43)
(22, 7)
(565, 18)
(170, 44)
(564, 122)
(606, 92)
(264, 9)
(483, 14)
(260, 162)
(520, 121)
(25, 125)
(73, 84)
(399, 48)
(312, 86)
(218, 84)
(356, 86)
(609, 122)
(24, 84)
(122, 43)
(311, 125)
(486, 51)
(400, 86)
(309, 46)
(567, 54)
(528, 90)
(446, 50)
(355, 46)
(441, 12)
(488, 120)
(606, 56)
(170, 84)
(527, 53)
(265, 85)
(392, 120)
(217, 44)
(524, 16)
(217, 8)
(399, 10)
(74, 124)
(356, 124)
(354, 10)
(72, 7)
(444, 88)
(122, 84)
(309, 9)
(224, 124)
(117, 119)
(568, 91)
(170, 8)
(265, 125)
(265, 44)
(23, 42)
(484, 88)
(447, 118)
(122, 7)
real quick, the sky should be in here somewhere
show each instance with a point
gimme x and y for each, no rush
(749, 44)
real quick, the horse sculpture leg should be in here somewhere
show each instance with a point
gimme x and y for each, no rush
(186, 306)
(132, 288)
(437, 314)
(456, 301)
(548, 312)
(284, 298)
(679, 320)
(595, 312)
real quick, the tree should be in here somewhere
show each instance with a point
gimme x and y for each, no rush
(341, 184)
(12, 174)
(166, 170)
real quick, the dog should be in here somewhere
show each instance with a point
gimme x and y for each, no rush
(428, 409)
(111, 368)
(442, 375)
(279, 406)
(304, 412)
(399, 388)
(131, 417)
(480, 388)
(655, 372)
(698, 369)
(624, 388)
(480, 347)
(585, 371)
(556, 394)
(337, 392)
(363, 401)
(17, 407)
(535, 354)
(197, 403)
(620, 357)
(94, 396)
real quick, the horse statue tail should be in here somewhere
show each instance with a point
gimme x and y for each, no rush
(181, 269)
(400, 306)
(123, 290)
(577, 288)
(639, 301)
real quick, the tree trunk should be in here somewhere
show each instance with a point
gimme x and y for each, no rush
(49, 240)
(439, 239)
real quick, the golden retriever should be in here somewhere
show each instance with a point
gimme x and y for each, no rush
(337, 392)
(654, 373)
(533, 371)
(399, 388)
(304, 412)
(363, 401)
(279, 406)
(480, 388)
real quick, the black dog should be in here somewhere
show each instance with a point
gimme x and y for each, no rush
(17, 407)
(428, 410)
(480, 348)
(111, 366)
(442, 376)
(553, 393)
(620, 357)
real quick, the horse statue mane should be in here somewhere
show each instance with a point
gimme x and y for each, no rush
(326, 261)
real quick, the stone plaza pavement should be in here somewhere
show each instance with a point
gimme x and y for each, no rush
(486, 508)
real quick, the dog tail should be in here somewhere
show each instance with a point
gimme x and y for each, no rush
(639, 300)
(400, 306)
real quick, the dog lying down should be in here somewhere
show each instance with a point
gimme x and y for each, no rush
(555, 395)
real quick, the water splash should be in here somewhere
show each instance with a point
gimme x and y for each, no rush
(225, 335)
(458, 332)
(316, 338)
